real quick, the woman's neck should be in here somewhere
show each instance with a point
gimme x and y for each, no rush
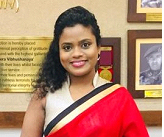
(82, 80)
(80, 86)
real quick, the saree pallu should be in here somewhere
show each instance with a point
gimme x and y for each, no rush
(107, 111)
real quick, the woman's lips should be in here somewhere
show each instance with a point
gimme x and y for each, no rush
(78, 63)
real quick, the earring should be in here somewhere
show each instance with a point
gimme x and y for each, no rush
(98, 57)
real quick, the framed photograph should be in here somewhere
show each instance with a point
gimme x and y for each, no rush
(148, 64)
(144, 62)
(110, 53)
(144, 11)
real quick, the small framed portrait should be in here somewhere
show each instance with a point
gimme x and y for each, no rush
(148, 64)
(151, 4)
(144, 11)
(144, 62)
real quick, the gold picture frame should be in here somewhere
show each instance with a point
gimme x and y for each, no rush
(146, 44)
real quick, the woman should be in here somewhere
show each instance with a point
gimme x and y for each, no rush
(71, 100)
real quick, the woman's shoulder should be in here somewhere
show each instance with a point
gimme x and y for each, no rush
(98, 81)
(121, 93)
(38, 99)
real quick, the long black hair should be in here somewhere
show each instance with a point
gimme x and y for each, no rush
(52, 74)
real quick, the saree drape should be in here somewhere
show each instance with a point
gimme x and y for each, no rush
(107, 111)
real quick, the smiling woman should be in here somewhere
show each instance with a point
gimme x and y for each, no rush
(78, 50)
(70, 98)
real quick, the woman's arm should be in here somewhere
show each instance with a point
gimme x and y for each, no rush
(33, 123)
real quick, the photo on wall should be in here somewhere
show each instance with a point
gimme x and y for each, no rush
(151, 64)
(151, 3)
(144, 11)
(148, 64)
(145, 63)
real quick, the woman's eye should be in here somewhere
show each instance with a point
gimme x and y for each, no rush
(86, 45)
(67, 47)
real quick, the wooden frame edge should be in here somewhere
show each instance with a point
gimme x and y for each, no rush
(15, 119)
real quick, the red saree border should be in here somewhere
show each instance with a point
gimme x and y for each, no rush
(99, 94)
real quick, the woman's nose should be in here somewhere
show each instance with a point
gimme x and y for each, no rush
(77, 52)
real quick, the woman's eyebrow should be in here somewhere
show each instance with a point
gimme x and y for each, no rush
(84, 40)
(66, 43)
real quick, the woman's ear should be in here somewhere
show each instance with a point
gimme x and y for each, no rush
(98, 53)
(99, 49)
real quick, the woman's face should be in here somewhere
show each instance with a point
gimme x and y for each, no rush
(78, 50)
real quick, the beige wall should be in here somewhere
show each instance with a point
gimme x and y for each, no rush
(37, 17)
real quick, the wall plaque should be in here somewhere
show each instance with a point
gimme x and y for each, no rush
(20, 60)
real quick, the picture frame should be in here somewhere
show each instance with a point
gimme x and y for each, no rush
(115, 44)
(139, 12)
(135, 39)
(15, 119)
